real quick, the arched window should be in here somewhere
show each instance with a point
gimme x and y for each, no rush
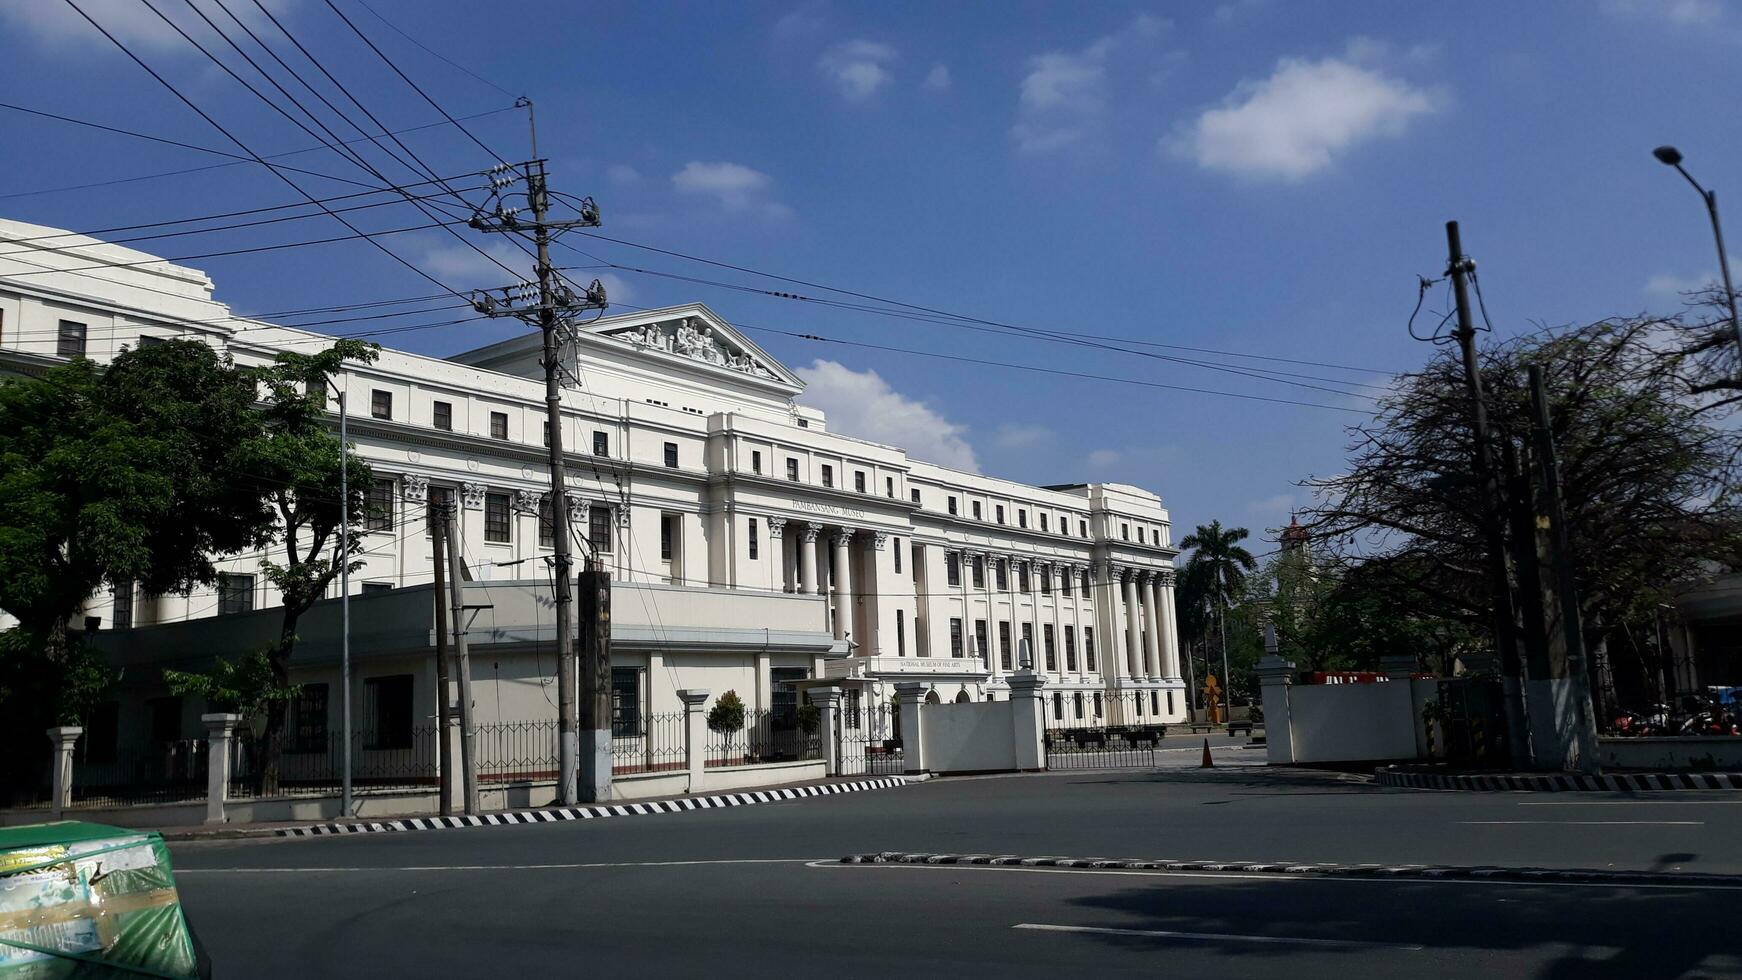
(963, 698)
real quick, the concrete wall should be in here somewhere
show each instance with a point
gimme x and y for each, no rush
(969, 737)
(1351, 722)
(1721, 753)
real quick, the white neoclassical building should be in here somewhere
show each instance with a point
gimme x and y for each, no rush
(749, 545)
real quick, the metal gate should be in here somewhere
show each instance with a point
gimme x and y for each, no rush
(1099, 730)
(870, 737)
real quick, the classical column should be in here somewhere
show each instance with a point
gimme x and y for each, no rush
(1133, 626)
(1056, 572)
(977, 558)
(807, 559)
(1147, 589)
(1164, 582)
(1039, 651)
(1113, 663)
(843, 583)
(777, 550)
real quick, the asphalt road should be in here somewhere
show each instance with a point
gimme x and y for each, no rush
(758, 891)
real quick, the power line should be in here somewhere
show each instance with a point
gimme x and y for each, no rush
(428, 50)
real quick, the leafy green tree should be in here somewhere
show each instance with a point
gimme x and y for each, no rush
(244, 685)
(1215, 577)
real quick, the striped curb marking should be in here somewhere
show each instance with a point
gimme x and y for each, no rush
(554, 814)
(1655, 782)
(1311, 869)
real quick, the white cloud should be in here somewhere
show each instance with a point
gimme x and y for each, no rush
(736, 187)
(861, 404)
(1103, 458)
(466, 268)
(938, 79)
(803, 21)
(1063, 97)
(1021, 436)
(622, 174)
(1296, 122)
(859, 68)
(1677, 13)
(132, 23)
(1669, 284)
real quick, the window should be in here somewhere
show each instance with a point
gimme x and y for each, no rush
(1097, 704)
(667, 532)
(122, 616)
(1140, 535)
(601, 444)
(955, 637)
(387, 712)
(1058, 706)
(498, 526)
(498, 425)
(1003, 574)
(1154, 703)
(889, 487)
(858, 481)
(93, 623)
(442, 416)
(71, 340)
(1046, 644)
(671, 454)
(952, 504)
(828, 475)
(1022, 518)
(1022, 577)
(953, 568)
(897, 544)
(914, 493)
(625, 702)
(599, 530)
(854, 708)
(381, 404)
(235, 593)
(1077, 703)
(979, 571)
(981, 649)
(1070, 647)
(546, 523)
(547, 433)
(1043, 522)
(783, 697)
(755, 546)
(441, 501)
(165, 719)
(998, 513)
(1004, 645)
(804, 423)
(901, 632)
(371, 588)
(308, 719)
(1170, 702)
(1085, 583)
(1082, 529)
(976, 510)
(1065, 576)
(1124, 531)
(102, 734)
(792, 469)
(378, 513)
(1089, 653)
(755, 461)
(1027, 646)
(1046, 580)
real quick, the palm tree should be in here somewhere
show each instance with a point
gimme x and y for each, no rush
(1217, 571)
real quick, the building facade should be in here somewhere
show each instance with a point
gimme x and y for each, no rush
(749, 546)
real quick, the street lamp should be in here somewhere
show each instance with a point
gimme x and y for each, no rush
(1669, 156)
(344, 594)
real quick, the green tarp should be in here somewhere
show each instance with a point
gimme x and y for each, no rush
(82, 900)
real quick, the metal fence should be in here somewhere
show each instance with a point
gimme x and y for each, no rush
(651, 743)
(406, 759)
(170, 772)
(870, 740)
(768, 735)
(517, 750)
(1101, 730)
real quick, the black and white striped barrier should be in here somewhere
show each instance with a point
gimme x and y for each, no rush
(1314, 869)
(1627, 782)
(555, 814)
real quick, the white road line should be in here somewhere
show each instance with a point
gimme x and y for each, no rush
(1217, 937)
(495, 867)
(1633, 803)
(1585, 823)
(1260, 876)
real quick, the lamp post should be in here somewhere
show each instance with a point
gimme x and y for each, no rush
(344, 596)
(1669, 156)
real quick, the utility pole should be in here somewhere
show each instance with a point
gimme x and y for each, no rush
(595, 783)
(444, 698)
(1583, 750)
(554, 301)
(463, 665)
(1459, 267)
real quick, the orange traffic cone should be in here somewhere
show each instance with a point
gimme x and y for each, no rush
(1208, 762)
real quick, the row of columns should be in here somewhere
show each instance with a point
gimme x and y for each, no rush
(1059, 573)
(1151, 650)
(840, 564)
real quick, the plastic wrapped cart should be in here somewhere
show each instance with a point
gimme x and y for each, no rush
(82, 900)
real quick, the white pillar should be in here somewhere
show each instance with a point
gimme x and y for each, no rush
(807, 559)
(1274, 677)
(63, 739)
(828, 702)
(909, 698)
(220, 729)
(1170, 626)
(842, 582)
(695, 742)
(1028, 720)
(1147, 589)
(1133, 626)
(777, 553)
(1056, 574)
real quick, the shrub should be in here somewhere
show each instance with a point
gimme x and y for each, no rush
(727, 714)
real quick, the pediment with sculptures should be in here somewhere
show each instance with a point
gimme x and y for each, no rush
(696, 339)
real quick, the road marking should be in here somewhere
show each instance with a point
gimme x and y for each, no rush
(1633, 803)
(1585, 823)
(1260, 876)
(1216, 936)
(496, 867)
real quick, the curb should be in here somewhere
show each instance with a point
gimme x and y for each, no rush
(555, 814)
(1424, 871)
(1653, 782)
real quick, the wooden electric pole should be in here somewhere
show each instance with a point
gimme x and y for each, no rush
(444, 697)
(595, 663)
(463, 666)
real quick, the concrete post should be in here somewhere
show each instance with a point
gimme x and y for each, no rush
(695, 739)
(220, 733)
(1274, 676)
(1400, 698)
(63, 739)
(841, 582)
(1028, 720)
(828, 702)
(909, 696)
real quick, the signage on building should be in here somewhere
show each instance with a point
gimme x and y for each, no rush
(833, 510)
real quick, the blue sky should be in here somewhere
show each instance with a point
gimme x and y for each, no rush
(1255, 176)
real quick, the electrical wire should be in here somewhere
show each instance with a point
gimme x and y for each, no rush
(395, 28)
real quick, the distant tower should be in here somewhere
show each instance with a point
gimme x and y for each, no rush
(1294, 536)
